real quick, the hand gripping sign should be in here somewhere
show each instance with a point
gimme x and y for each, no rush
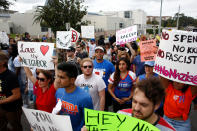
(101, 121)
(36, 54)
(177, 56)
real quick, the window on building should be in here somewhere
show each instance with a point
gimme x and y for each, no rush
(120, 25)
(44, 29)
(127, 14)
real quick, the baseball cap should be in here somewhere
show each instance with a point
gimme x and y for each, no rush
(99, 47)
(92, 39)
(149, 63)
(71, 49)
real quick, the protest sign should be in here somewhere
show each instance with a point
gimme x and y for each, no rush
(36, 54)
(75, 35)
(44, 121)
(4, 38)
(176, 56)
(63, 39)
(101, 121)
(148, 50)
(128, 34)
(87, 31)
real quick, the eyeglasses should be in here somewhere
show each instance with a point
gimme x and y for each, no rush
(40, 79)
(87, 66)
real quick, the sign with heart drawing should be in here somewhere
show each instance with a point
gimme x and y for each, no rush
(36, 54)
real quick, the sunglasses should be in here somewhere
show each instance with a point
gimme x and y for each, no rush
(87, 66)
(40, 79)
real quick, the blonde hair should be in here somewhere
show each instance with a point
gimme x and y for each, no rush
(86, 60)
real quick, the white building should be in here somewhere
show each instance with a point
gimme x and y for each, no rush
(112, 21)
(24, 22)
(105, 23)
(5, 22)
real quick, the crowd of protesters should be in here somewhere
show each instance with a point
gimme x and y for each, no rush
(94, 74)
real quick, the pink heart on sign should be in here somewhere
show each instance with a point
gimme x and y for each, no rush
(44, 49)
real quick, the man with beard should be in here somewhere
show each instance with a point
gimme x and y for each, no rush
(147, 97)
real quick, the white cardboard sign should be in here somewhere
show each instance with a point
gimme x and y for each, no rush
(4, 38)
(47, 121)
(126, 35)
(63, 39)
(75, 35)
(177, 56)
(36, 54)
(87, 31)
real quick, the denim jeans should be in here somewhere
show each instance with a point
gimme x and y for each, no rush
(179, 125)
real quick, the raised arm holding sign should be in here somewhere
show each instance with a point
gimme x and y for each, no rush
(176, 61)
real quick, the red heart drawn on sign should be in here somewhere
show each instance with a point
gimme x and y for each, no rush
(44, 49)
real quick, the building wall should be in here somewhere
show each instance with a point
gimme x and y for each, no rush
(24, 22)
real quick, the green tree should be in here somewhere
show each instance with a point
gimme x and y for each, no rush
(4, 4)
(59, 12)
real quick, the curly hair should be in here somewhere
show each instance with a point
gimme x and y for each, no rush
(152, 88)
(117, 71)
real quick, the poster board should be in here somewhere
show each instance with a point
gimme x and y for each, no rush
(176, 57)
(148, 50)
(36, 54)
(126, 35)
(41, 120)
(75, 36)
(101, 121)
(64, 39)
(87, 31)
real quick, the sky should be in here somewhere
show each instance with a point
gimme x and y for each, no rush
(151, 7)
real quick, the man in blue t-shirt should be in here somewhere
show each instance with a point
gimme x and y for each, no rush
(73, 99)
(103, 68)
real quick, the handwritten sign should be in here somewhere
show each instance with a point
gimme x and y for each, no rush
(36, 54)
(148, 50)
(4, 38)
(63, 39)
(87, 31)
(177, 56)
(44, 121)
(126, 35)
(75, 35)
(101, 121)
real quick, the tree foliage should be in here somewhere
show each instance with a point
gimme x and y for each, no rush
(184, 21)
(59, 12)
(4, 4)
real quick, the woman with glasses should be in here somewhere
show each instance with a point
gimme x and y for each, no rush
(121, 85)
(45, 89)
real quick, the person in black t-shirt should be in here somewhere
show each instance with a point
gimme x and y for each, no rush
(10, 98)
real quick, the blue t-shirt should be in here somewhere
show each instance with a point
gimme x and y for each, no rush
(139, 66)
(73, 104)
(125, 85)
(104, 69)
(143, 77)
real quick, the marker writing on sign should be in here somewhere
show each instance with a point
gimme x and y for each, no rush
(27, 50)
(30, 62)
(105, 118)
(42, 117)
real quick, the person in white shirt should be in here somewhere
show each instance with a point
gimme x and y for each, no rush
(92, 83)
